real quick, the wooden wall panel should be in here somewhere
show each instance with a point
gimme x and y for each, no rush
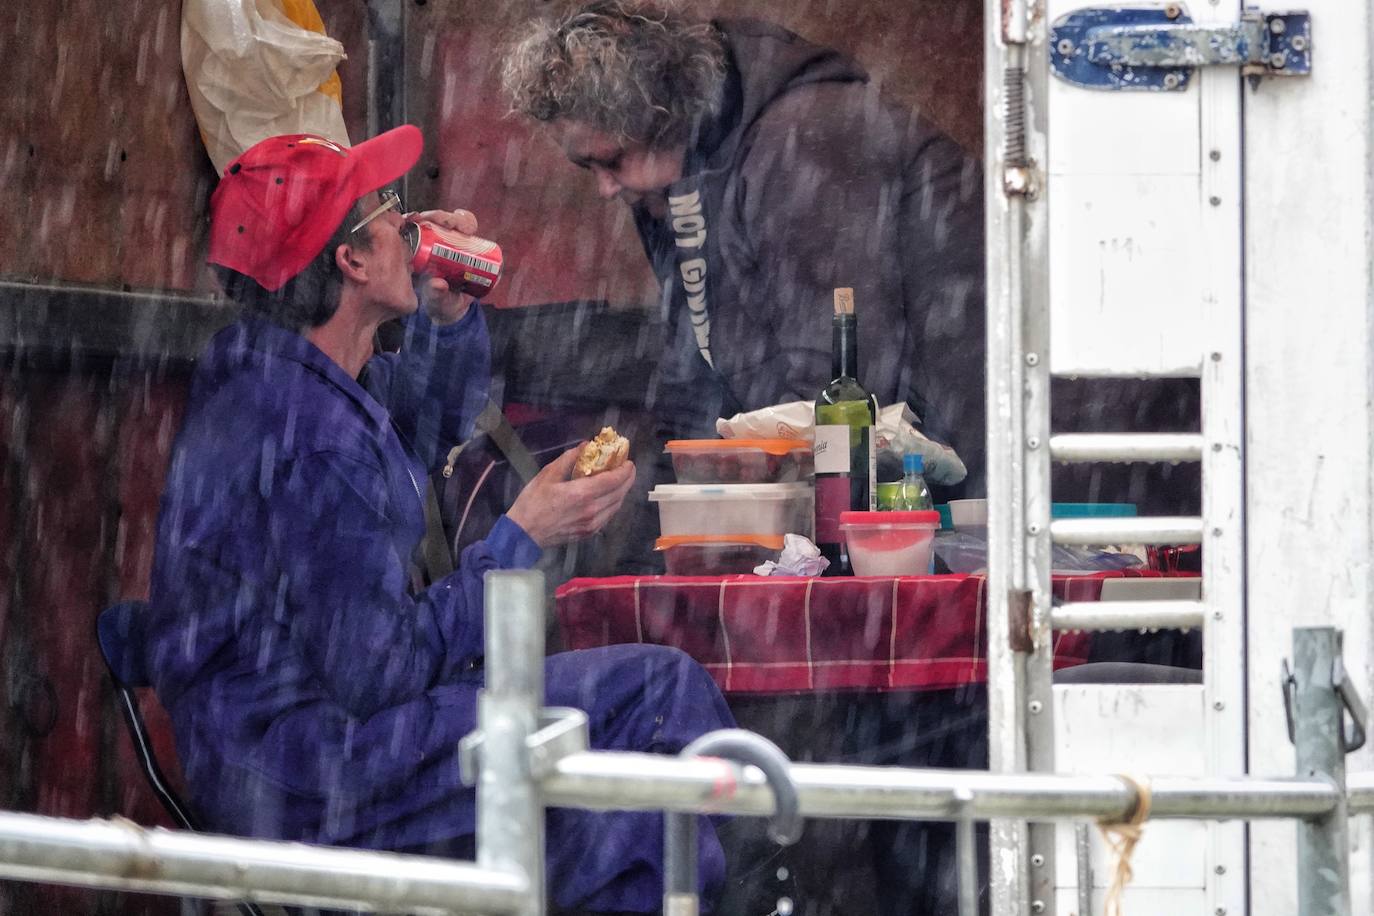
(103, 179)
(65, 568)
(9, 568)
(561, 241)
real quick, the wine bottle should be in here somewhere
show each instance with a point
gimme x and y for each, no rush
(846, 461)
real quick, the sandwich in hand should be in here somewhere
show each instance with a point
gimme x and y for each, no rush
(606, 452)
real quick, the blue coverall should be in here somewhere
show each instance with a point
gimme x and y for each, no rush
(316, 693)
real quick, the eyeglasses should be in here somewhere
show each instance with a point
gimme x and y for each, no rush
(390, 201)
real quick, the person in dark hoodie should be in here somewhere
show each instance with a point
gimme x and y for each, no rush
(763, 172)
(317, 688)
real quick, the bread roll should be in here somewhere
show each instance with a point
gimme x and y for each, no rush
(606, 452)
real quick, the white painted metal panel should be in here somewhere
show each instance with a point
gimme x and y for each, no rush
(1136, 730)
(1151, 901)
(1126, 254)
(1309, 389)
(1125, 259)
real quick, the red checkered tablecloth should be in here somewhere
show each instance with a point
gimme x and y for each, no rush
(767, 635)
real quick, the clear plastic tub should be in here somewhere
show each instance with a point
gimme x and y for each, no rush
(739, 508)
(717, 554)
(741, 460)
(890, 543)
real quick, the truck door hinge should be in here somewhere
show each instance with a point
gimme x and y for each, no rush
(1157, 48)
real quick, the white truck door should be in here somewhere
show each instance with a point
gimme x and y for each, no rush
(1309, 389)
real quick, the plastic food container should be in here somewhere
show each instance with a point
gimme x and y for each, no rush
(741, 460)
(973, 513)
(738, 508)
(890, 543)
(968, 513)
(717, 554)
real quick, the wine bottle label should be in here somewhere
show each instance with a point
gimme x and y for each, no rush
(872, 471)
(832, 449)
(832, 498)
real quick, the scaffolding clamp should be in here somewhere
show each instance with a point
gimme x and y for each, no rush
(562, 731)
(1354, 731)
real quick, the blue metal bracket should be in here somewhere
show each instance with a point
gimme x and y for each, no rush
(1157, 48)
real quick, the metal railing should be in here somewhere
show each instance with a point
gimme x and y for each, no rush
(522, 762)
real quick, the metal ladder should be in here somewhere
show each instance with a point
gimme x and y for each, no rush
(1022, 450)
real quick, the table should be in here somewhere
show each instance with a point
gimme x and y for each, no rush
(781, 634)
(878, 671)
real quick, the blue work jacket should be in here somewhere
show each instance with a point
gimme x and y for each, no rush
(316, 695)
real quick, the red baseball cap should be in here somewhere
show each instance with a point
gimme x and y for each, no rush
(279, 202)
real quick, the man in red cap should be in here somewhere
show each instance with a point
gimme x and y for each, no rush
(318, 690)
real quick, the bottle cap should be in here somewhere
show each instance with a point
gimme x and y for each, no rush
(913, 462)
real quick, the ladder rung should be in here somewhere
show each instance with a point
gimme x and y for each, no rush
(1127, 615)
(1074, 447)
(1151, 530)
(1188, 370)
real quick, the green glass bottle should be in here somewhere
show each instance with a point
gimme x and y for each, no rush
(846, 460)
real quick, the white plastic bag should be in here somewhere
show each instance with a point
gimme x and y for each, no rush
(895, 433)
(255, 70)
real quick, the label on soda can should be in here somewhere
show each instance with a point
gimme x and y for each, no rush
(470, 264)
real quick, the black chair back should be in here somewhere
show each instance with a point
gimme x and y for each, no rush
(118, 631)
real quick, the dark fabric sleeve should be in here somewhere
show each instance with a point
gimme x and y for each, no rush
(942, 240)
(840, 191)
(817, 199)
(435, 387)
(346, 590)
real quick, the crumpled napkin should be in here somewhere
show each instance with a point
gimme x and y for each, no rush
(799, 557)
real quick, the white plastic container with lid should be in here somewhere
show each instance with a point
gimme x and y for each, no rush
(890, 543)
(740, 508)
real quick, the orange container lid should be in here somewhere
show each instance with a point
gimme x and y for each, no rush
(766, 541)
(771, 446)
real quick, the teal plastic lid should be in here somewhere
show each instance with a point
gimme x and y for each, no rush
(1092, 510)
(1062, 510)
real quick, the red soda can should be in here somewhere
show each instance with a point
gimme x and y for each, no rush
(469, 264)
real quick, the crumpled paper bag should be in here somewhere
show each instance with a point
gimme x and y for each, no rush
(257, 69)
(896, 433)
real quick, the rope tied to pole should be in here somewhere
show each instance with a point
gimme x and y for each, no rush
(1121, 838)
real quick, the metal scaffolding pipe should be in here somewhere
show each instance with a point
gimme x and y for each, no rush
(621, 781)
(510, 814)
(1360, 793)
(122, 855)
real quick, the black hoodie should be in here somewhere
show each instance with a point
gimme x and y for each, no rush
(807, 180)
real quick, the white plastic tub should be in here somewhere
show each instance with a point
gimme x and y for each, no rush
(742, 508)
(890, 543)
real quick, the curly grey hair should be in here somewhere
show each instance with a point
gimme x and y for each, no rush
(638, 70)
